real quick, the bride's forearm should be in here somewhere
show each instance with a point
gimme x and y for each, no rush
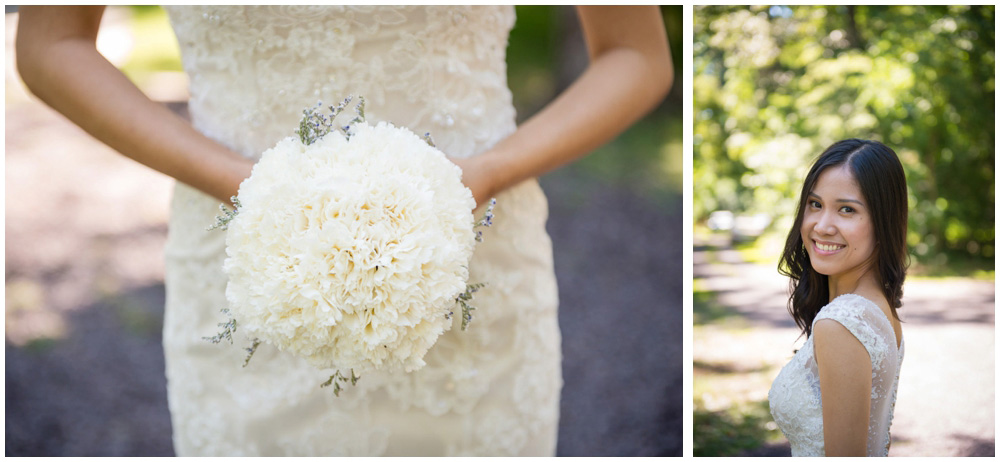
(60, 64)
(609, 97)
(629, 74)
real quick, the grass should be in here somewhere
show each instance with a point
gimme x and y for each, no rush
(707, 310)
(135, 315)
(734, 431)
(730, 383)
(41, 345)
(731, 378)
(765, 250)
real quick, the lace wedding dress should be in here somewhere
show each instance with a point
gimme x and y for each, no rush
(795, 394)
(490, 390)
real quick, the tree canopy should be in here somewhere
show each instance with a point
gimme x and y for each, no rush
(774, 86)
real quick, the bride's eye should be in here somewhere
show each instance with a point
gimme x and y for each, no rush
(814, 204)
(847, 209)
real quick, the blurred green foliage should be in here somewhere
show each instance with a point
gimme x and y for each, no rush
(155, 46)
(774, 86)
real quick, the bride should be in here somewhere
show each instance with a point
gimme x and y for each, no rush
(846, 257)
(493, 390)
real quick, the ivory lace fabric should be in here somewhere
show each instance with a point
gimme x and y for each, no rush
(795, 399)
(490, 390)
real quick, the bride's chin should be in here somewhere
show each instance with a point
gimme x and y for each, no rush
(820, 269)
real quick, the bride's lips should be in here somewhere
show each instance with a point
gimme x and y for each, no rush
(827, 248)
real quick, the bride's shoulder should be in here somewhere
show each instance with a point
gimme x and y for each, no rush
(858, 316)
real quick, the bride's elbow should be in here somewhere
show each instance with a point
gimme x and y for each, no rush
(27, 58)
(658, 60)
(649, 75)
(35, 57)
(662, 77)
(657, 79)
(657, 73)
(47, 36)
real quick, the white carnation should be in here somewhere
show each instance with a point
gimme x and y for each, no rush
(351, 251)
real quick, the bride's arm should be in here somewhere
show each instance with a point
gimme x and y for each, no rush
(59, 62)
(845, 384)
(630, 72)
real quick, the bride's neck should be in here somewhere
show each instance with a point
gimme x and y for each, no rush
(864, 284)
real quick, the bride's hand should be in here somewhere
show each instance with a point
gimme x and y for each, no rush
(476, 176)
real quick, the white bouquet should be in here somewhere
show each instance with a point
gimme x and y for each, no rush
(350, 246)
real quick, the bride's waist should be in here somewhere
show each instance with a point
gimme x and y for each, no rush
(459, 128)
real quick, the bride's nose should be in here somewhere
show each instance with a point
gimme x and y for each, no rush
(825, 224)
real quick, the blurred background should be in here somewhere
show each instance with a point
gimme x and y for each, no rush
(84, 268)
(773, 87)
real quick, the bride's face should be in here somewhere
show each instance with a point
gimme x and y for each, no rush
(836, 225)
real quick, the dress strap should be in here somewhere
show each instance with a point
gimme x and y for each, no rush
(856, 314)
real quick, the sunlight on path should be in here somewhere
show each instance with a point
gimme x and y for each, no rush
(946, 396)
(83, 222)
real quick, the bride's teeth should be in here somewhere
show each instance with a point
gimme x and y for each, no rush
(827, 248)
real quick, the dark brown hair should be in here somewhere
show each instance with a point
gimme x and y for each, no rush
(879, 175)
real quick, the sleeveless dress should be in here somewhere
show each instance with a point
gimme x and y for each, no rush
(795, 398)
(490, 390)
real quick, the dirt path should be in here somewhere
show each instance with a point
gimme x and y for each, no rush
(946, 398)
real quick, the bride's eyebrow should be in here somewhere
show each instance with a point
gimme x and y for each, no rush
(813, 195)
(852, 201)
